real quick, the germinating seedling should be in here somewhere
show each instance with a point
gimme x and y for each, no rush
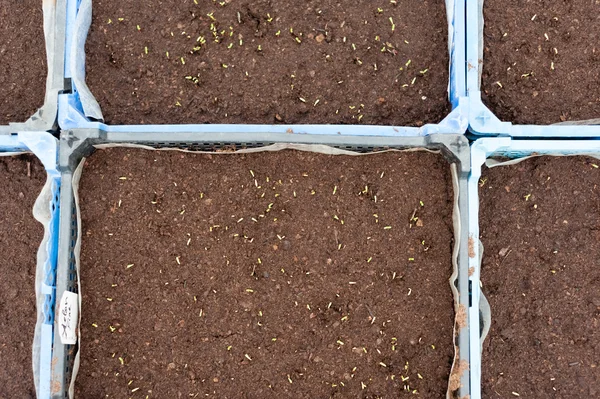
(252, 50)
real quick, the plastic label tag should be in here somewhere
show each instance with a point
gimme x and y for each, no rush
(67, 318)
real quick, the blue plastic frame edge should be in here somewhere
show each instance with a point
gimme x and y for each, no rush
(481, 150)
(45, 147)
(71, 114)
(481, 120)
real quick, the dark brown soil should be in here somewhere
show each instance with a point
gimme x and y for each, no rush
(311, 300)
(22, 60)
(519, 56)
(311, 62)
(540, 225)
(20, 237)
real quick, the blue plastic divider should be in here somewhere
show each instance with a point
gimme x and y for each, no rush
(45, 147)
(481, 150)
(481, 120)
(11, 143)
(72, 115)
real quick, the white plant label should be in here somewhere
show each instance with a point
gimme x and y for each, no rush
(68, 316)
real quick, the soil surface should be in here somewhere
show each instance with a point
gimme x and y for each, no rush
(541, 62)
(23, 67)
(22, 180)
(540, 227)
(265, 276)
(268, 61)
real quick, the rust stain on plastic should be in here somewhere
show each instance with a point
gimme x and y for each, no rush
(461, 316)
(471, 247)
(55, 388)
(459, 369)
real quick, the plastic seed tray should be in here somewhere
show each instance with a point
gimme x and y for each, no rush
(79, 109)
(481, 120)
(45, 147)
(78, 143)
(482, 149)
(71, 106)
